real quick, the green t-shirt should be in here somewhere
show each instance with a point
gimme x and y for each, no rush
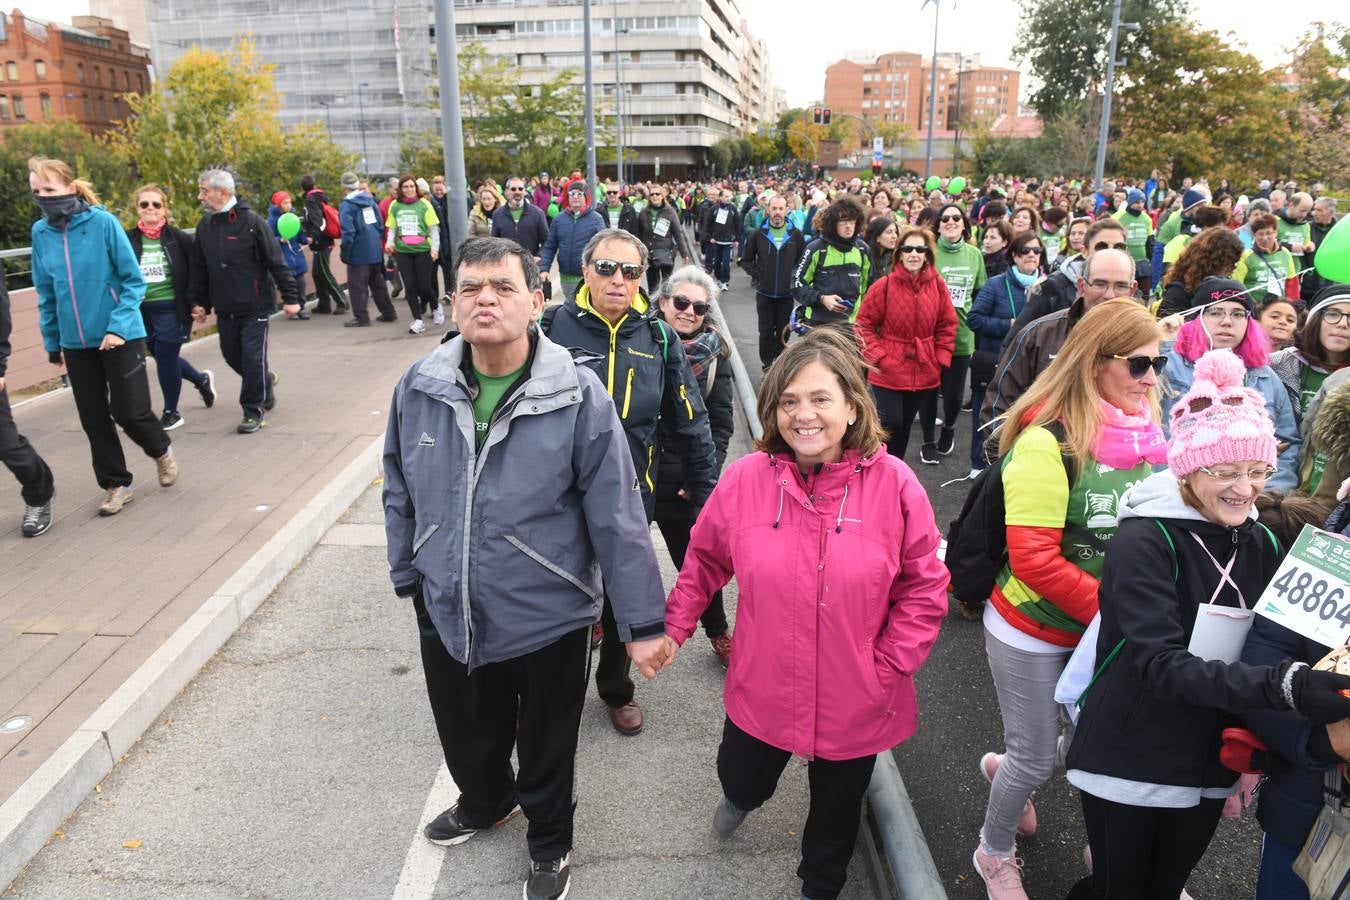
(613, 213)
(516, 214)
(155, 269)
(1170, 228)
(491, 389)
(962, 267)
(1288, 232)
(412, 224)
(1264, 273)
(1137, 229)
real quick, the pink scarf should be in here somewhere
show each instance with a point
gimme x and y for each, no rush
(152, 233)
(1125, 441)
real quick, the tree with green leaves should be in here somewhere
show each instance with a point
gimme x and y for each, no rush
(1317, 108)
(219, 110)
(1065, 43)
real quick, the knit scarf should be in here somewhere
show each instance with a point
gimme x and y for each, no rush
(1125, 441)
(947, 245)
(700, 348)
(152, 233)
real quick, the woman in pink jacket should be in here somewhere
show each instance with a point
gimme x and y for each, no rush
(833, 544)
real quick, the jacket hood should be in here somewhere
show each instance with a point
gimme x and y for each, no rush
(362, 198)
(1331, 428)
(1073, 267)
(1159, 497)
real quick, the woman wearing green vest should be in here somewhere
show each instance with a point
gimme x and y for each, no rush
(1268, 268)
(415, 243)
(961, 266)
(1083, 434)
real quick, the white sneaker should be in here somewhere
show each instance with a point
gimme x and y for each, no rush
(438, 316)
(417, 327)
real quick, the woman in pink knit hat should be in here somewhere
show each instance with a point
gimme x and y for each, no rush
(1186, 566)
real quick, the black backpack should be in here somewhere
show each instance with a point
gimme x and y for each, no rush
(977, 539)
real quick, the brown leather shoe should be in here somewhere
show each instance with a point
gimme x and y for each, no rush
(627, 719)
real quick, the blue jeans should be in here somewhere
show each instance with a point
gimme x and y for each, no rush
(164, 338)
(1276, 879)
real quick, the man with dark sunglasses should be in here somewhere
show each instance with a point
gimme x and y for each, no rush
(612, 327)
(618, 212)
(1061, 289)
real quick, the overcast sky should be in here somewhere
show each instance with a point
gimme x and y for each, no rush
(805, 36)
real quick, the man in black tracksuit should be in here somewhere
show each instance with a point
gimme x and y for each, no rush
(234, 255)
(722, 230)
(326, 290)
(18, 455)
(770, 257)
(613, 328)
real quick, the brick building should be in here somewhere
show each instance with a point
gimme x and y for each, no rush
(80, 71)
(893, 89)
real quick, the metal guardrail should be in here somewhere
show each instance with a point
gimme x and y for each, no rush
(897, 828)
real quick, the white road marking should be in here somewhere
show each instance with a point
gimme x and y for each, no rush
(422, 865)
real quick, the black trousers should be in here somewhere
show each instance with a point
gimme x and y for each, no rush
(656, 275)
(953, 388)
(532, 702)
(111, 389)
(364, 282)
(243, 344)
(1143, 852)
(749, 770)
(897, 410)
(675, 524)
(613, 674)
(35, 478)
(773, 313)
(326, 290)
(419, 281)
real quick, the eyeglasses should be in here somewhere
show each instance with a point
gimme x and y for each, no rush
(913, 248)
(951, 219)
(606, 268)
(611, 193)
(1228, 477)
(682, 303)
(1121, 288)
(1214, 314)
(1139, 365)
(1028, 250)
(1334, 316)
(1103, 245)
(155, 204)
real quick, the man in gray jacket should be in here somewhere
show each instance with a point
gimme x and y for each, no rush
(510, 497)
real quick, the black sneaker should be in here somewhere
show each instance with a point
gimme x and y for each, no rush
(208, 389)
(356, 323)
(966, 406)
(249, 425)
(171, 420)
(548, 880)
(270, 392)
(37, 519)
(928, 454)
(946, 441)
(387, 319)
(448, 829)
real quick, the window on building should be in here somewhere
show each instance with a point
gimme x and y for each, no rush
(79, 72)
(4, 108)
(18, 106)
(126, 81)
(88, 108)
(12, 69)
(102, 107)
(40, 69)
(45, 101)
(98, 76)
(140, 82)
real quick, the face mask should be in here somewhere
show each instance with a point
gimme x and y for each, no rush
(58, 210)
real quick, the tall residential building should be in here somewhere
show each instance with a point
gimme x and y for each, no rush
(894, 89)
(80, 71)
(362, 69)
(689, 71)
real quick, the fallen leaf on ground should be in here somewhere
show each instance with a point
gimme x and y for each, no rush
(132, 845)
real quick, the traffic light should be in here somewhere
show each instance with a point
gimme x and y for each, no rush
(825, 116)
(816, 114)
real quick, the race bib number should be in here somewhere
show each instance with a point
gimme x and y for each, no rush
(407, 225)
(368, 216)
(152, 272)
(1310, 593)
(722, 216)
(1273, 286)
(662, 227)
(958, 293)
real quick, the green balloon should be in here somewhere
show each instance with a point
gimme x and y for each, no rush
(956, 185)
(1333, 256)
(288, 226)
(933, 183)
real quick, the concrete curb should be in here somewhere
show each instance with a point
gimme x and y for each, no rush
(56, 789)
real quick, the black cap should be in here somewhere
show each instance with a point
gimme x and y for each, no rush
(1216, 290)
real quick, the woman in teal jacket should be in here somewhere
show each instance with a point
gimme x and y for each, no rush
(89, 288)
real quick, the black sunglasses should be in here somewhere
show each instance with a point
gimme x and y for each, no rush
(682, 303)
(606, 268)
(1103, 245)
(1140, 364)
(913, 248)
(952, 219)
(151, 204)
(1028, 250)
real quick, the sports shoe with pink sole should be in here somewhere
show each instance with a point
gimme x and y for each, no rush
(1026, 824)
(1002, 875)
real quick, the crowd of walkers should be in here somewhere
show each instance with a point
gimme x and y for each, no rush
(1156, 385)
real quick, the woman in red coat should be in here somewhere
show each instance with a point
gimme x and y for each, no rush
(907, 330)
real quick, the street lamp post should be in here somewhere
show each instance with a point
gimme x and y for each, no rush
(932, 91)
(618, 99)
(361, 123)
(1116, 26)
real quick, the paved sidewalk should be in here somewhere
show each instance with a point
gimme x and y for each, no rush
(83, 607)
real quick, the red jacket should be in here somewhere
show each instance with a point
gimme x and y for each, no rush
(907, 329)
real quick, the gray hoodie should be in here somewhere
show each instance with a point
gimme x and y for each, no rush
(508, 544)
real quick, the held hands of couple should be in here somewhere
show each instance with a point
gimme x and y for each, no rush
(653, 655)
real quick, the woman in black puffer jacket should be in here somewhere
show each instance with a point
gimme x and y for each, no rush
(684, 302)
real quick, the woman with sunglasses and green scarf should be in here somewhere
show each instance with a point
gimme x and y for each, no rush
(961, 265)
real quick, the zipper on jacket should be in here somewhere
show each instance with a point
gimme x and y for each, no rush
(687, 405)
(628, 394)
(70, 274)
(651, 453)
